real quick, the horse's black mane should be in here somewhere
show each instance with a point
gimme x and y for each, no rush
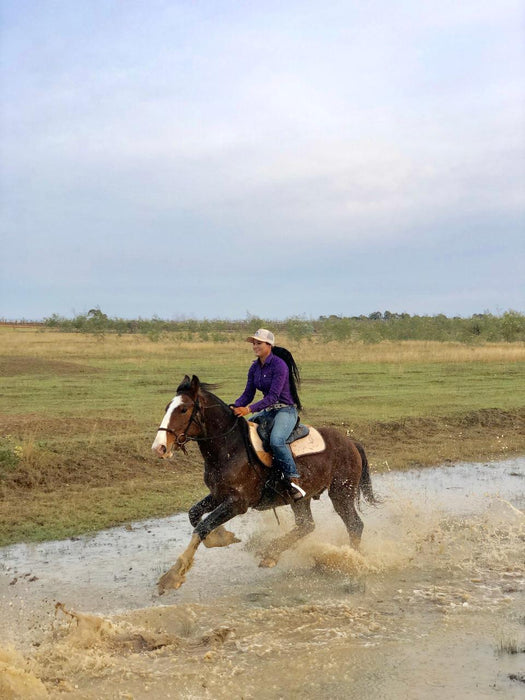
(185, 385)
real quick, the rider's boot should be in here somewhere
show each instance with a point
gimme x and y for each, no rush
(291, 484)
(297, 491)
(283, 460)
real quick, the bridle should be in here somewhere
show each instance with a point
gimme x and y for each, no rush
(183, 438)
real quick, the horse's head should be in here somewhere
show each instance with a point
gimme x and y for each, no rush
(181, 419)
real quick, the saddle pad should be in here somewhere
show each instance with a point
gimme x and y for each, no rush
(308, 445)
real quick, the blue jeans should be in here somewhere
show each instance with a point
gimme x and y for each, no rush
(284, 420)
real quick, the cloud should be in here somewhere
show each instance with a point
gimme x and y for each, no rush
(303, 135)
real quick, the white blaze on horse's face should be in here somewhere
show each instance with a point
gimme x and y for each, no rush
(160, 444)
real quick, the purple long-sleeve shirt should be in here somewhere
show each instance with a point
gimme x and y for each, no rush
(272, 379)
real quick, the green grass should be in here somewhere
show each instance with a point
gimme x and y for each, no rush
(331, 391)
(82, 413)
(383, 392)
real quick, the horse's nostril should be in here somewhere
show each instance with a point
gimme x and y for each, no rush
(161, 450)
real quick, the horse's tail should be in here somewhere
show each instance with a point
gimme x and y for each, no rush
(365, 482)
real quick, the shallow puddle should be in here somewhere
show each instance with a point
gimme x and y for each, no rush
(433, 606)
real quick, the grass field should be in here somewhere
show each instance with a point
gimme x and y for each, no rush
(78, 415)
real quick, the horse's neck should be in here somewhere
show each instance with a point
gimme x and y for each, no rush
(224, 436)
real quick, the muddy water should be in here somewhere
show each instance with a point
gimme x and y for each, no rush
(433, 606)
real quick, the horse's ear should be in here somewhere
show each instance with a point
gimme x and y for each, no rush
(194, 385)
(184, 385)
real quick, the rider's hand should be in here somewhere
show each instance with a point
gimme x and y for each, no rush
(241, 411)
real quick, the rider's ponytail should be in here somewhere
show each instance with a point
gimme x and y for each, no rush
(294, 374)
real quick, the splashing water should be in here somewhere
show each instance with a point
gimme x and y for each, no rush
(432, 606)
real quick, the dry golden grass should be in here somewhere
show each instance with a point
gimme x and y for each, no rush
(74, 346)
(413, 351)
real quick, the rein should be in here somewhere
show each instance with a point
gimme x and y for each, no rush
(182, 439)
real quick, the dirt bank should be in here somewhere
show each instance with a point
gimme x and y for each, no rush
(67, 487)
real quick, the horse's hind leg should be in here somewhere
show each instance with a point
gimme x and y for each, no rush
(343, 499)
(304, 524)
(220, 537)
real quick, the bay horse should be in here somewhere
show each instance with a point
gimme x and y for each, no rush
(237, 480)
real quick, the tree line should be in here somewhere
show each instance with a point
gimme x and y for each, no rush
(374, 328)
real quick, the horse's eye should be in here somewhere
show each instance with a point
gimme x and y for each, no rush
(183, 410)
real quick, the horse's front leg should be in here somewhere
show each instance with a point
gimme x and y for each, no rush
(175, 577)
(196, 512)
(220, 537)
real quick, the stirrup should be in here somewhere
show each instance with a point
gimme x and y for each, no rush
(299, 492)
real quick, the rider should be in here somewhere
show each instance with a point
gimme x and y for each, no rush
(276, 375)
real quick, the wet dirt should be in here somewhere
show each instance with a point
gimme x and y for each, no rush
(432, 606)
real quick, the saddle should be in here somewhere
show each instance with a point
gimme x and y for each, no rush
(304, 440)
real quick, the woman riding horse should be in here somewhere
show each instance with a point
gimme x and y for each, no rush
(237, 480)
(276, 375)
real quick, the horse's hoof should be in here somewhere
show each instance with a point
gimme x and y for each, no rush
(220, 537)
(267, 562)
(172, 579)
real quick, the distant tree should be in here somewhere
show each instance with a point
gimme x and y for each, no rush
(513, 326)
(97, 322)
(298, 328)
(53, 321)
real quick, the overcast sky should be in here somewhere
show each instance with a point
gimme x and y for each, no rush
(213, 159)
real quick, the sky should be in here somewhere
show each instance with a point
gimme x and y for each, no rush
(221, 160)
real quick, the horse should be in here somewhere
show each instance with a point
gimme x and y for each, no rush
(237, 480)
